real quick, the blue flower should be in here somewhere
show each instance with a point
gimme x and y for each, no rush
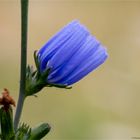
(70, 55)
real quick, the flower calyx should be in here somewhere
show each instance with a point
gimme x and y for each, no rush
(37, 80)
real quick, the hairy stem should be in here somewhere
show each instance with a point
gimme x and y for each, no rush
(24, 23)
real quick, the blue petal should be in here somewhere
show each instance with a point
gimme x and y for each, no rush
(71, 54)
(91, 64)
(87, 66)
(66, 29)
(49, 49)
(86, 50)
(69, 48)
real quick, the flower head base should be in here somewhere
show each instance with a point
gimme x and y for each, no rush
(68, 56)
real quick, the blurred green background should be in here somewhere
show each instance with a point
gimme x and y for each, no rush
(103, 106)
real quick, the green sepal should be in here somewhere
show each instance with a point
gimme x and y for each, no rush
(40, 131)
(36, 60)
(35, 81)
(23, 132)
(6, 121)
(58, 86)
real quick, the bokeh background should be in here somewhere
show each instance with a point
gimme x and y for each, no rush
(103, 106)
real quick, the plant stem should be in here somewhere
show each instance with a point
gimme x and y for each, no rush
(24, 23)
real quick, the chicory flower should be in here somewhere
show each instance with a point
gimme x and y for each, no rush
(65, 59)
(70, 55)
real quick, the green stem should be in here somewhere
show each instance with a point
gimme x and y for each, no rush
(24, 23)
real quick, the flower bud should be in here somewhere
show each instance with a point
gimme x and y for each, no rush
(6, 116)
(40, 131)
(6, 120)
(65, 59)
